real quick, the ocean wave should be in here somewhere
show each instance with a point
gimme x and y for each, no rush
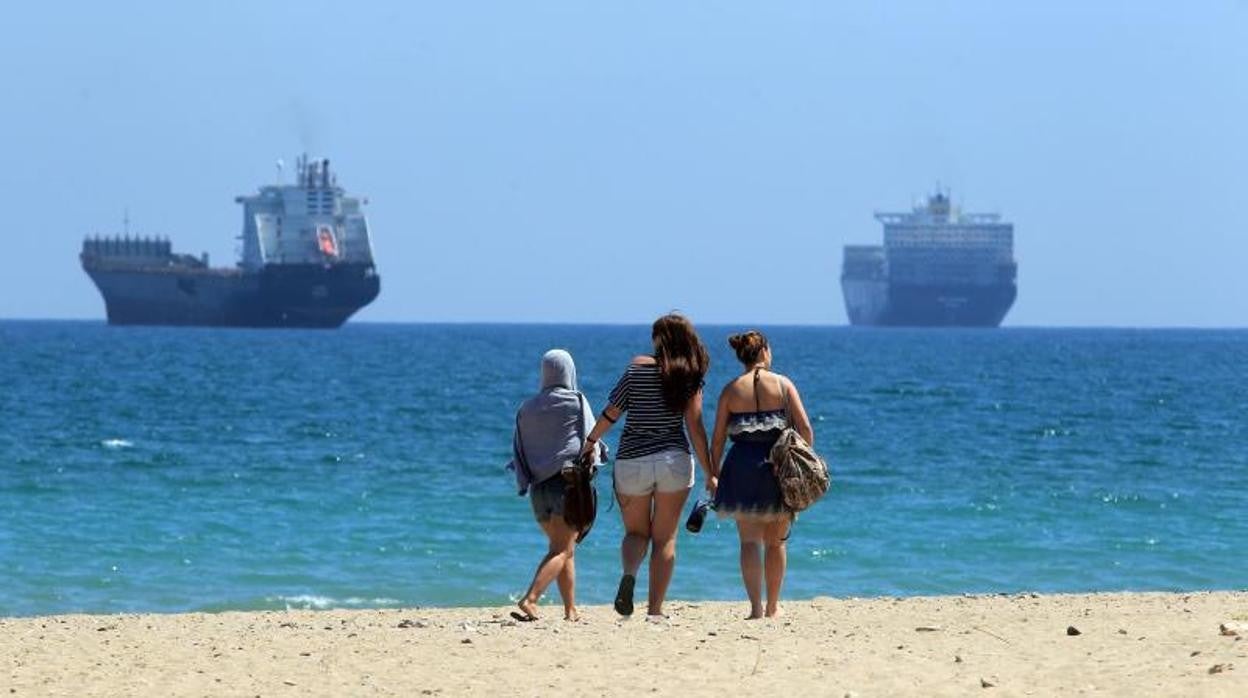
(316, 602)
(117, 443)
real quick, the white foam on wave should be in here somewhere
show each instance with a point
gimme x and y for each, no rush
(316, 602)
(117, 443)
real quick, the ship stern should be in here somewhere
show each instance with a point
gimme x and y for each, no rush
(315, 295)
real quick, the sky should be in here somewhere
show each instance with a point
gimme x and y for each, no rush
(569, 161)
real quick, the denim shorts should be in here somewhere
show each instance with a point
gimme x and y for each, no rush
(666, 471)
(547, 498)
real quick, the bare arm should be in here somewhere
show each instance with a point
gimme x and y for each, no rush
(599, 455)
(697, 434)
(609, 417)
(797, 412)
(720, 436)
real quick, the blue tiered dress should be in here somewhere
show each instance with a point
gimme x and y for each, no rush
(748, 489)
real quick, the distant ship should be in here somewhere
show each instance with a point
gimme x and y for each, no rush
(307, 261)
(937, 267)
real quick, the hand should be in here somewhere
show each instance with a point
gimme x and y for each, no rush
(712, 484)
(588, 451)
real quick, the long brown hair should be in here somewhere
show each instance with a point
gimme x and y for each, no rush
(683, 359)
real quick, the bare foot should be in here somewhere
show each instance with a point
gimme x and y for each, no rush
(571, 615)
(528, 610)
(755, 614)
(774, 612)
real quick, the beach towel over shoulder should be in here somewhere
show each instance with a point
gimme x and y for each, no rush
(549, 431)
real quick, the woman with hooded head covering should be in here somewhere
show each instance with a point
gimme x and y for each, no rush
(550, 430)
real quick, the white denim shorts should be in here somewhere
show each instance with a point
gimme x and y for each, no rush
(666, 471)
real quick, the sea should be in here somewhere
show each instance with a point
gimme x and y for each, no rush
(169, 470)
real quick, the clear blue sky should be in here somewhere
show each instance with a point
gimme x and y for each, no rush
(583, 161)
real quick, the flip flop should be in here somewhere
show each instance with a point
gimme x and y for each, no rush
(523, 617)
(624, 595)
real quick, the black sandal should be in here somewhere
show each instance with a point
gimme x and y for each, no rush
(624, 595)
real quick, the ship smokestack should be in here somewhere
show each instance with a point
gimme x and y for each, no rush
(325, 173)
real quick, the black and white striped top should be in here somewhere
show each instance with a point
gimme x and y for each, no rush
(650, 426)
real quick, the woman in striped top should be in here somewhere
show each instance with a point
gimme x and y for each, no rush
(662, 396)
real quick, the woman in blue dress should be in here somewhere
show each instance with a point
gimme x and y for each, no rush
(753, 410)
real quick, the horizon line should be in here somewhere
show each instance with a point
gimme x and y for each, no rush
(578, 323)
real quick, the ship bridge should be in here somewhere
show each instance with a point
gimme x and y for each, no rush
(312, 221)
(938, 243)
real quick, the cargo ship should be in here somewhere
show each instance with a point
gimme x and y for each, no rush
(937, 267)
(306, 261)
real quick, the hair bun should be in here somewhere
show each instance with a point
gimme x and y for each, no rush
(748, 345)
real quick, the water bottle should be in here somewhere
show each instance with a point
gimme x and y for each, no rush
(698, 516)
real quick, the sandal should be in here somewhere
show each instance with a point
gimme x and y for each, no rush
(624, 595)
(523, 617)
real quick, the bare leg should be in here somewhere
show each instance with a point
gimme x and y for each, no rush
(751, 535)
(775, 561)
(636, 514)
(667, 510)
(635, 511)
(562, 544)
(567, 576)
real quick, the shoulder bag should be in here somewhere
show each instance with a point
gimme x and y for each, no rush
(802, 473)
(580, 498)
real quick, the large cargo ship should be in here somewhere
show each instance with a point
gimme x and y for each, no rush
(937, 267)
(306, 261)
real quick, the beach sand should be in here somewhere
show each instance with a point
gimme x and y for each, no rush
(1129, 644)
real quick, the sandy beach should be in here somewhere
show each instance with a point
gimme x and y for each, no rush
(1127, 644)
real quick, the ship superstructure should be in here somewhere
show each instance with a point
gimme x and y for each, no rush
(307, 261)
(937, 266)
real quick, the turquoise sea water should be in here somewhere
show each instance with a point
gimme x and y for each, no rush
(193, 469)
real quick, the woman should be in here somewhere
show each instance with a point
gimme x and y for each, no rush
(753, 410)
(662, 395)
(550, 430)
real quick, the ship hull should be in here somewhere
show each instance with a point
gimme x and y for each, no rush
(305, 295)
(878, 303)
